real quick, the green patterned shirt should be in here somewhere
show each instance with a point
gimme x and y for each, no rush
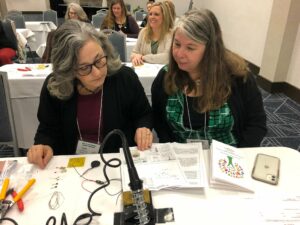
(219, 127)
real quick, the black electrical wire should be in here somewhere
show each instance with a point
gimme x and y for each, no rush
(8, 219)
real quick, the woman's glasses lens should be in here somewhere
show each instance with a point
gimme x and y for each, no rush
(87, 69)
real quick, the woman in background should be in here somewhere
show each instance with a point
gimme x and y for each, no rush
(75, 11)
(118, 19)
(155, 39)
(206, 92)
(149, 4)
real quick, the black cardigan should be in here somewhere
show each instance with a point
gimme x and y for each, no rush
(125, 107)
(245, 103)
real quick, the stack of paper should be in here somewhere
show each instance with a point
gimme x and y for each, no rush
(170, 165)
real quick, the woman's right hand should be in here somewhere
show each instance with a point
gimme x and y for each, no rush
(137, 60)
(40, 155)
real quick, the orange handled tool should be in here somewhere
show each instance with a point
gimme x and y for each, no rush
(4, 189)
(24, 190)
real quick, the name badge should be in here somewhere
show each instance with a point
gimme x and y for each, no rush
(205, 143)
(84, 147)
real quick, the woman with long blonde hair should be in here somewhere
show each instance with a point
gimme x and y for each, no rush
(154, 40)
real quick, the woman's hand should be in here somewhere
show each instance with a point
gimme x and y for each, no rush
(143, 138)
(137, 60)
(40, 155)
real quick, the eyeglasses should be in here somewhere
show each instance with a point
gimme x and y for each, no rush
(87, 69)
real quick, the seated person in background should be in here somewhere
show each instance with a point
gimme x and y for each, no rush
(118, 19)
(89, 94)
(144, 22)
(206, 92)
(75, 11)
(8, 45)
(155, 39)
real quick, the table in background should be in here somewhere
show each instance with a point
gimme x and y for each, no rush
(25, 92)
(130, 43)
(41, 49)
(41, 30)
(190, 206)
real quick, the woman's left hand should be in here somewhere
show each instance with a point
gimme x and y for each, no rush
(143, 138)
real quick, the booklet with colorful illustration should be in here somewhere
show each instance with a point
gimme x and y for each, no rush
(228, 169)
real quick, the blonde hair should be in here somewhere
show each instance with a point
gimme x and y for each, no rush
(167, 24)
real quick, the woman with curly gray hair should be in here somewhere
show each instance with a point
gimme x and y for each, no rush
(89, 94)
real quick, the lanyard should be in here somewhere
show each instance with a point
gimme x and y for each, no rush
(100, 117)
(188, 114)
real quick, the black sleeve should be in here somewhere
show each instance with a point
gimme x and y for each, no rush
(159, 99)
(252, 125)
(133, 27)
(49, 131)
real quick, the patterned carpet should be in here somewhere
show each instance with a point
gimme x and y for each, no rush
(283, 122)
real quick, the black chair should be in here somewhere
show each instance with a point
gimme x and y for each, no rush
(50, 15)
(118, 40)
(7, 127)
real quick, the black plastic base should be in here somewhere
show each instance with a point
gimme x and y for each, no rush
(128, 217)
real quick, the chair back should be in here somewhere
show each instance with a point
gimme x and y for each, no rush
(103, 11)
(98, 19)
(14, 12)
(50, 15)
(7, 126)
(118, 40)
(140, 15)
(18, 19)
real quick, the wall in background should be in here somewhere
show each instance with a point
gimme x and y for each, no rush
(294, 68)
(244, 25)
(266, 33)
(27, 5)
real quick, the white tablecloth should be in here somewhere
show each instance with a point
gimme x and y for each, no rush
(190, 206)
(41, 49)
(25, 87)
(130, 43)
(25, 90)
(41, 30)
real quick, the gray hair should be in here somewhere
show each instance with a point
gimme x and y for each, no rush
(68, 39)
(200, 25)
(79, 11)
